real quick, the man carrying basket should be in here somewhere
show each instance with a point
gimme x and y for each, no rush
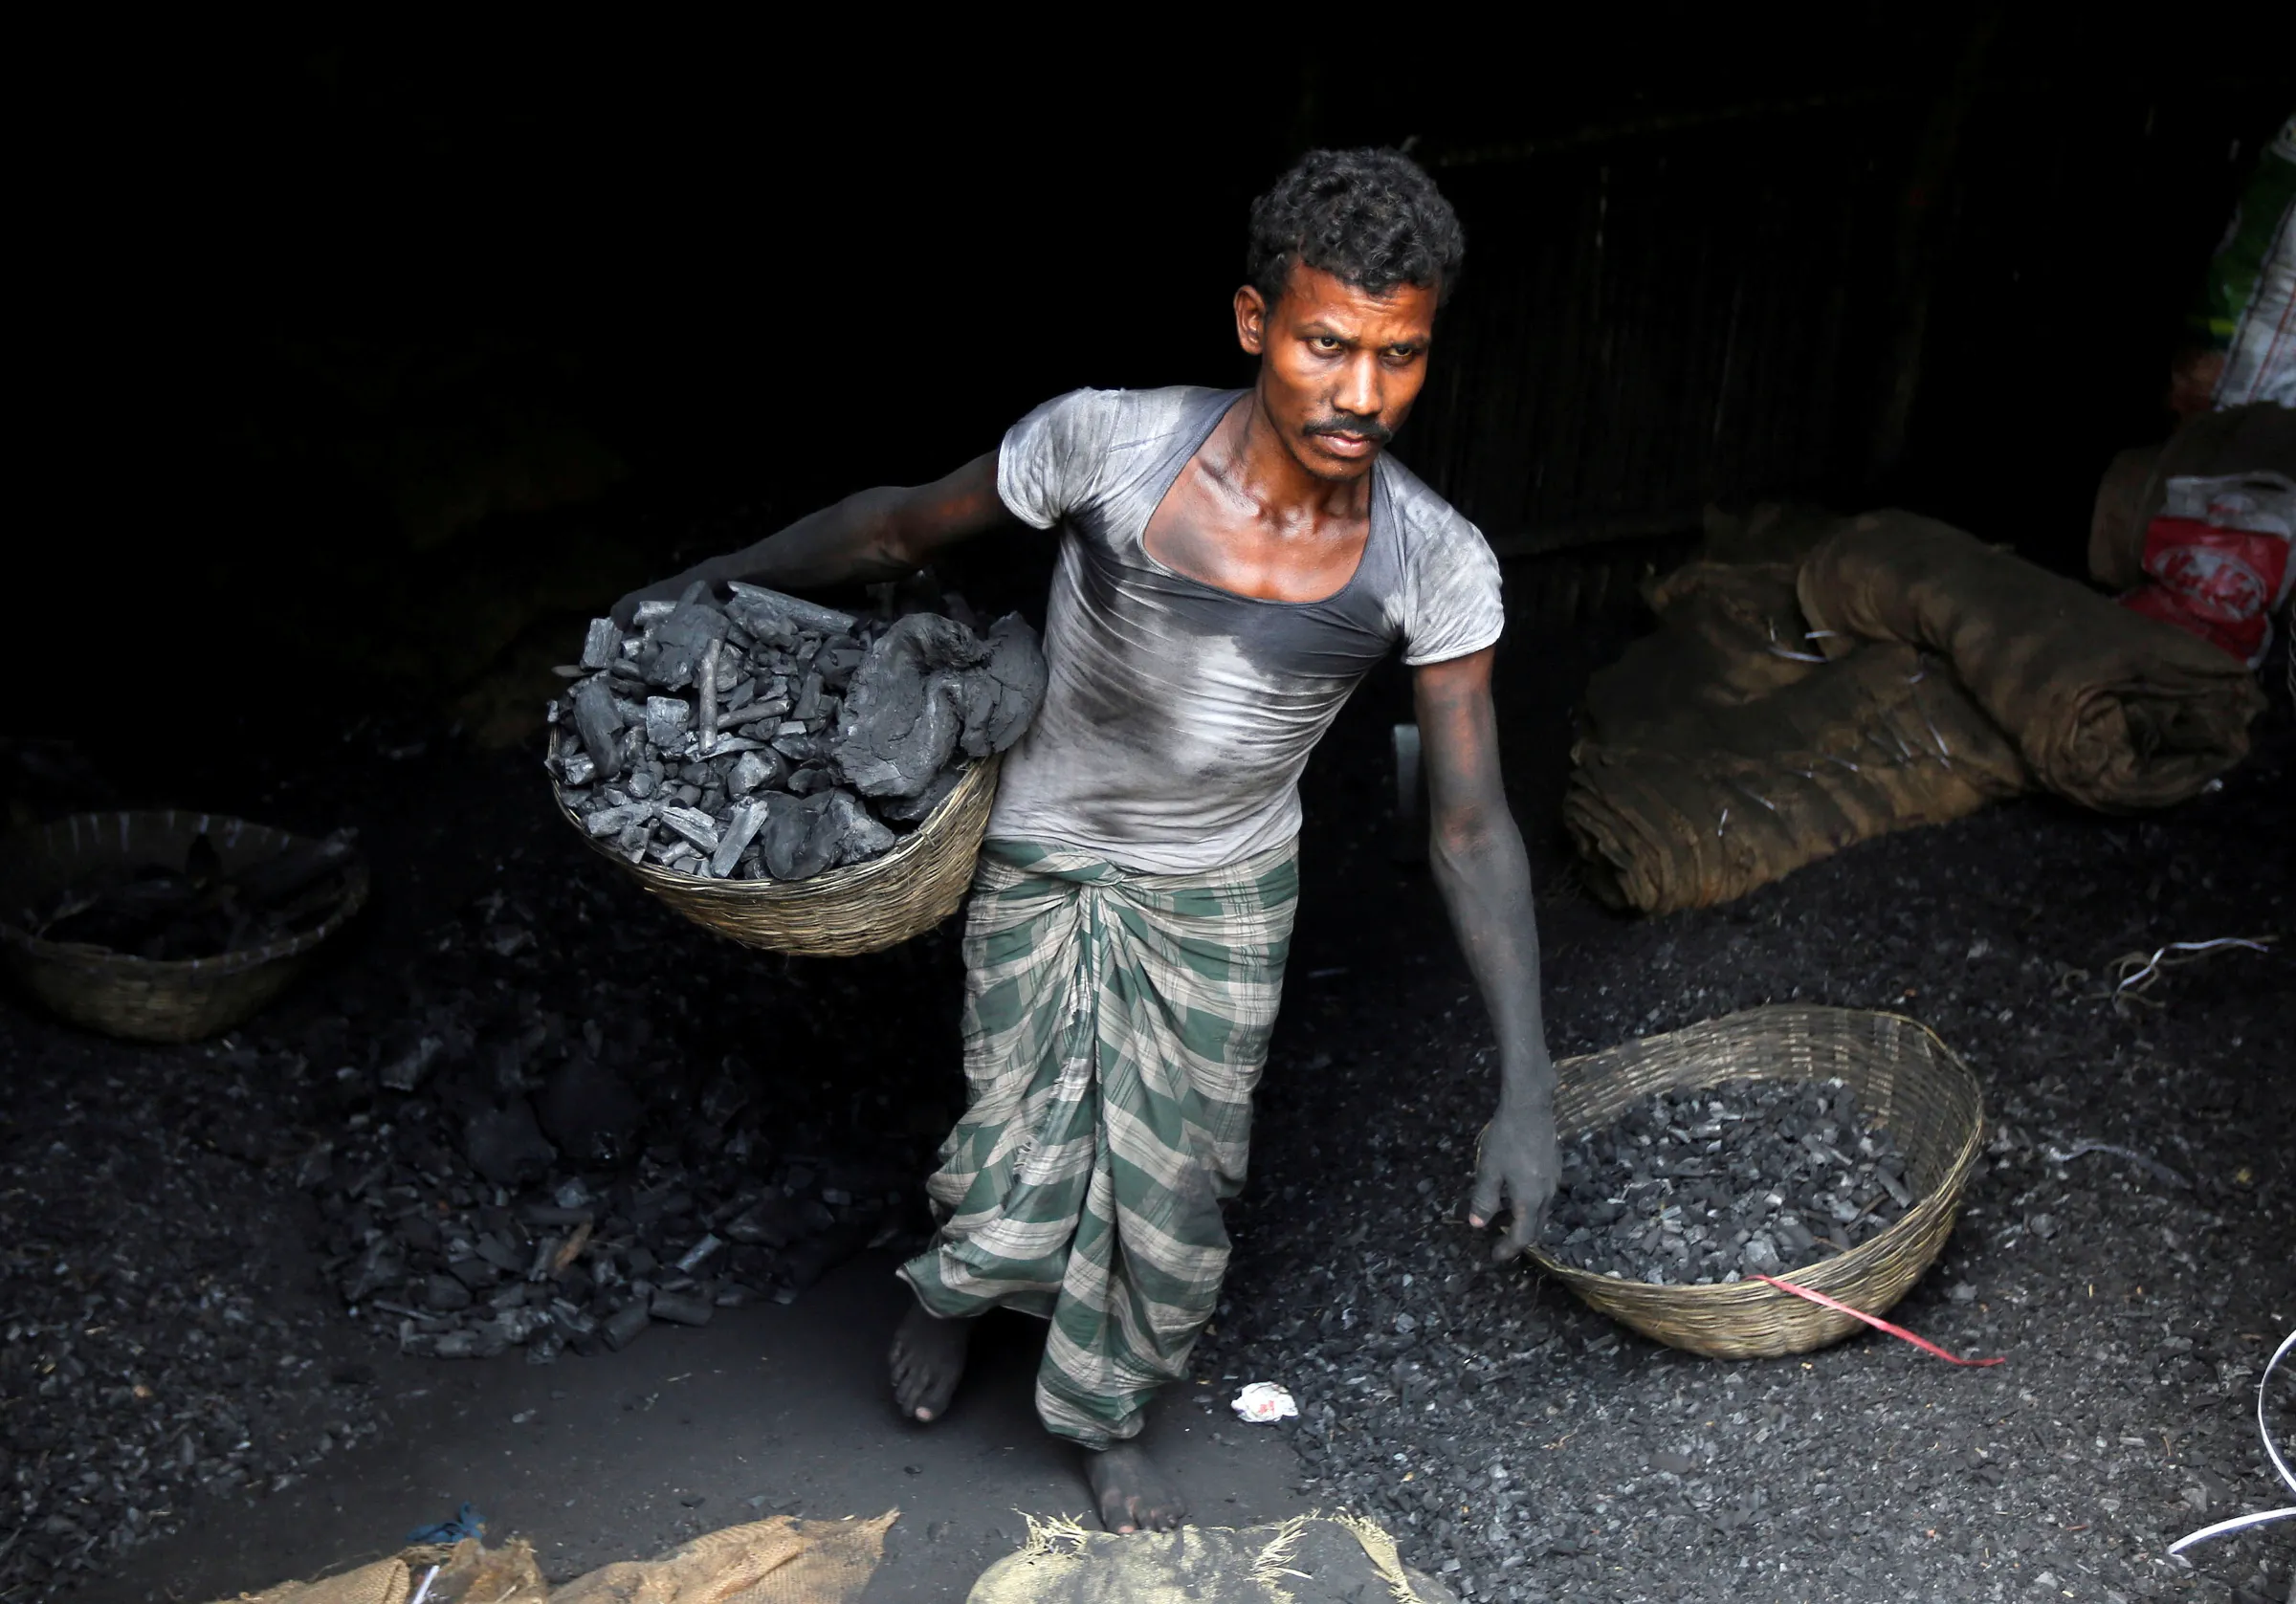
(1231, 565)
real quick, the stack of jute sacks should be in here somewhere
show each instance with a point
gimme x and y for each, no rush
(1847, 677)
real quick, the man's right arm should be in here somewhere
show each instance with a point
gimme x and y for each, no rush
(877, 534)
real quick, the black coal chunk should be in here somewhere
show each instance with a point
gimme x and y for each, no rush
(505, 1145)
(587, 1110)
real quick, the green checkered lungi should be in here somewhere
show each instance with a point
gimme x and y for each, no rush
(1114, 1026)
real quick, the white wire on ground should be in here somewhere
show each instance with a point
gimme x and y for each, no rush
(2262, 1517)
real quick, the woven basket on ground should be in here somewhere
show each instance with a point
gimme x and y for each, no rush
(863, 907)
(148, 1000)
(1905, 1078)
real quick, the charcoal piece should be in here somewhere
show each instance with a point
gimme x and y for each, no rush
(836, 661)
(798, 839)
(682, 640)
(668, 720)
(911, 810)
(694, 824)
(682, 1309)
(800, 745)
(647, 614)
(705, 704)
(740, 830)
(604, 821)
(497, 1251)
(816, 1257)
(859, 837)
(771, 616)
(577, 768)
(766, 714)
(903, 715)
(621, 1327)
(753, 770)
(603, 644)
(771, 1222)
(1001, 696)
(405, 1071)
(506, 1145)
(475, 1273)
(807, 705)
(598, 723)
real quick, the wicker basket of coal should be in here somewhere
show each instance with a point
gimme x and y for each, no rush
(1826, 1147)
(796, 778)
(168, 925)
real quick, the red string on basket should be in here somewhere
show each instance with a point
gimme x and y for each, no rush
(1879, 1324)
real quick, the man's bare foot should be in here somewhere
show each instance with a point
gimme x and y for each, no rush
(1133, 1494)
(928, 1361)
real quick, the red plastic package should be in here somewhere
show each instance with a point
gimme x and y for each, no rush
(2217, 560)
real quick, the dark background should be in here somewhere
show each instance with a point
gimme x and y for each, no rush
(363, 360)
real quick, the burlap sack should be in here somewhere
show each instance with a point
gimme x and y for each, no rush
(1674, 815)
(780, 1561)
(1733, 633)
(2108, 707)
(384, 1582)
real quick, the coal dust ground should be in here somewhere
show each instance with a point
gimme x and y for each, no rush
(171, 1346)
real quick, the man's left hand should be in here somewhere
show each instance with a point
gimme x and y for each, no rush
(1516, 1160)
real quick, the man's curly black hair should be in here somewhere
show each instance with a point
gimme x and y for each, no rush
(1371, 217)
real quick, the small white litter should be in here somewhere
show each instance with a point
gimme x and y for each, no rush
(1262, 1403)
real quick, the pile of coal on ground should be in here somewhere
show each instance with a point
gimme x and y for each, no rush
(540, 1143)
(161, 1334)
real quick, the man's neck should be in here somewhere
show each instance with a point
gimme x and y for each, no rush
(1258, 463)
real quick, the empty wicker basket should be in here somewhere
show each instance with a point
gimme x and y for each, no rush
(148, 1000)
(863, 907)
(1905, 1078)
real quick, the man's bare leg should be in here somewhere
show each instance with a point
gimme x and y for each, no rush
(928, 1361)
(1133, 1494)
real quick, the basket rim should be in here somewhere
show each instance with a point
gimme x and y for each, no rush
(1907, 1227)
(101, 960)
(980, 772)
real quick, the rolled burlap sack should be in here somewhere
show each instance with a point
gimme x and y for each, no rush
(2111, 709)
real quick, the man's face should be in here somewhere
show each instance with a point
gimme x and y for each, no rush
(1339, 366)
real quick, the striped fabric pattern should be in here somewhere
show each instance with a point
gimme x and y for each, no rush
(1115, 1027)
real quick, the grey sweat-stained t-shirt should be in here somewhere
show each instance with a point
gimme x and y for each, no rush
(1178, 715)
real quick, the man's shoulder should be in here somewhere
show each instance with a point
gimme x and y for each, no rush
(1114, 419)
(1422, 516)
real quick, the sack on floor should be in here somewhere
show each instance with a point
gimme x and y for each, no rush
(468, 1572)
(1306, 1560)
(780, 1561)
(1731, 633)
(384, 1582)
(1673, 815)
(2108, 709)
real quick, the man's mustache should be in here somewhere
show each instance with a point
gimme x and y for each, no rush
(1347, 423)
